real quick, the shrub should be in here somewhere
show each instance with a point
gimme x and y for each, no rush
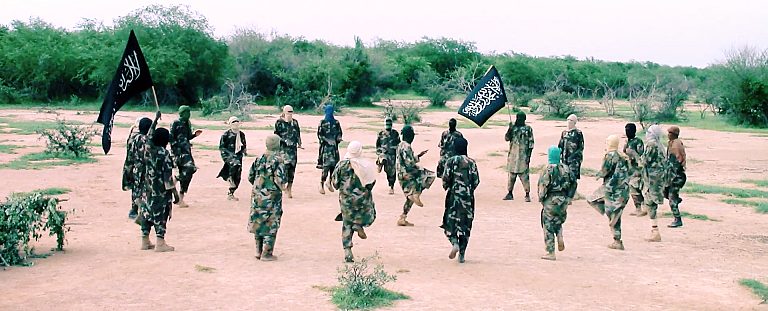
(411, 112)
(68, 139)
(215, 104)
(361, 289)
(559, 104)
(23, 217)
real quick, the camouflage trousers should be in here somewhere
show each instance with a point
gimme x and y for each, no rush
(416, 185)
(160, 227)
(524, 179)
(553, 215)
(672, 193)
(265, 221)
(390, 170)
(652, 198)
(613, 207)
(353, 219)
(136, 199)
(637, 196)
(186, 165)
(457, 219)
(290, 172)
(154, 215)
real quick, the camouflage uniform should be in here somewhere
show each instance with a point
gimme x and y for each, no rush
(572, 145)
(555, 192)
(355, 200)
(181, 134)
(267, 174)
(386, 150)
(634, 150)
(134, 169)
(158, 191)
(677, 179)
(611, 198)
(290, 140)
(329, 134)
(520, 140)
(446, 148)
(233, 159)
(654, 169)
(460, 179)
(413, 178)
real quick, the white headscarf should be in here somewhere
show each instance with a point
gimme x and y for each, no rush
(236, 129)
(572, 118)
(286, 116)
(363, 168)
(653, 136)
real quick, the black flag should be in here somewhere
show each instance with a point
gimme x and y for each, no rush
(132, 78)
(486, 98)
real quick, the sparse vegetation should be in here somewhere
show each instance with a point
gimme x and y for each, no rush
(23, 218)
(684, 214)
(760, 206)
(757, 287)
(41, 160)
(756, 182)
(692, 187)
(360, 288)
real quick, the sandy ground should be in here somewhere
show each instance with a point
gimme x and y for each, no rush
(696, 267)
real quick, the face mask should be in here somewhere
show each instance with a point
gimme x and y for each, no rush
(235, 126)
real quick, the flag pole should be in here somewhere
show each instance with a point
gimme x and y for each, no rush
(157, 104)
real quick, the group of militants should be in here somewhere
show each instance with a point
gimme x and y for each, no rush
(646, 171)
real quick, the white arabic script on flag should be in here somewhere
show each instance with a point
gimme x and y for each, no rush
(490, 92)
(131, 71)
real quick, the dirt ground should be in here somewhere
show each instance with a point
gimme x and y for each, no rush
(696, 267)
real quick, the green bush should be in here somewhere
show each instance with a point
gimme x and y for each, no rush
(361, 289)
(23, 217)
(213, 105)
(68, 139)
(559, 104)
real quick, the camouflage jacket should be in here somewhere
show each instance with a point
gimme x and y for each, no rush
(406, 161)
(329, 133)
(634, 150)
(133, 169)
(159, 176)
(654, 172)
(520, 140)
(461, 177)
(227, 148)
(386, 144)
(353, 195)
(614, 173)
(267, 174)
(290, 133)
(556, 181)
(446, 143)
(572, 146)
(181, 134)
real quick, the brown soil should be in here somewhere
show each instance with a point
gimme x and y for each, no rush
(696, 267)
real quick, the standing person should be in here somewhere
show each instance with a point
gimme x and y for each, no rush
(181, 148)
(232, 147)
(413, 178)
(654, 169)
(267, 174)
(611, 198)
(520, 138)
(446, 145)
(572, 146)
(134, 166)
(556, 191)
(386, 150)
(329, 134)
(354, 177)
(460, 179)
(677, 178)
(290, 141)
(634, 150)
(159, 190)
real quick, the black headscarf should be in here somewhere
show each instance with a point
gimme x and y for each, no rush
(144, 125)
(520, 120)
(408, 133)
(630, 129)
(452, 125)
(161, 137)
(460, 146)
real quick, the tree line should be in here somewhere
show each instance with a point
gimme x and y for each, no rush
(189, 65)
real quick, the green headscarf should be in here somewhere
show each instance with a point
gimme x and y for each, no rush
(553, 155)
(184, 112)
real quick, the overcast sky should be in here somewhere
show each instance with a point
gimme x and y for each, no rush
(672, 32)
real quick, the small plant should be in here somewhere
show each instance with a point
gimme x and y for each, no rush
(411, 112)
(215, 104)
(559, 104)
(757, 287)
(68, 139)
(390, 112)
(361, 289)
(23, 217)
